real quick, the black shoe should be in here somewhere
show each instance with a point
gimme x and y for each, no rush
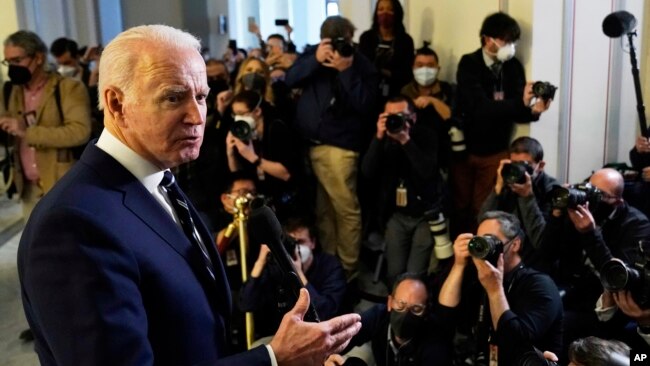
(26, 335)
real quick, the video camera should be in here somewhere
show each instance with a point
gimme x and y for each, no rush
(616, 275)
(343, 47)
(487, 247)
(515, 172)
(544, 90)
(575, 195)
(395, 123)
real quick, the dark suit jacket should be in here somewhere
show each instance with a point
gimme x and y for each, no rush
(108, 278)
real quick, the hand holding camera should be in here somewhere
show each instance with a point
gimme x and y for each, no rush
(490, 276)
(396, 126)
(517, 175)
(642, 145)
(539, 95)
(582, 218)
(461, 249)
(337, 54)
(245, 148)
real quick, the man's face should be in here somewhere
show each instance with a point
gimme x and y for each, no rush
(274, 46)
(164, 119)
(216, 72)
(410, 295)
(18, 56)
(607, 184)
(301, 236)
(425, 61)
(66, 59)
(399, 107)
(240, 188)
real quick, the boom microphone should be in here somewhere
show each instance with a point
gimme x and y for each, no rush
(264, 228)
(618, 23)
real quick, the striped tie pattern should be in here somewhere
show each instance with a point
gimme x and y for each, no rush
(179, 204)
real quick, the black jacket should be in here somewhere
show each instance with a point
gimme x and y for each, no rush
(489, 123)
(400, 63)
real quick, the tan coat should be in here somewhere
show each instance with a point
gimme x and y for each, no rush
(51, 136)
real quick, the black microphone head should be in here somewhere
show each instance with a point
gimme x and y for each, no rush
(618, 23)
(264, 225)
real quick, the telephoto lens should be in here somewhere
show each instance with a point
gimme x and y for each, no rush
(395, 123)
(575, 195)
(487, 247)
(615, 275)
(515, 172)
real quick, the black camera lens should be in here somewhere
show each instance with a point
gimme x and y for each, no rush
(516, 172)
(241, 130)
(395, 123)
(562, 197)
(544, 90)
(615, 275)
(486, 247)
(343, 47)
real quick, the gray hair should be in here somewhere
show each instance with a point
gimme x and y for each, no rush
(121, 55)
(29, 41)
(508, 223)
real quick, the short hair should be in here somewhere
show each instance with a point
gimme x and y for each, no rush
(398, 13)
(509, 224)
(596, 351)
(249, 97)
(297, 222)
(122, 54)
(500, 25)
(278, 36)
(528, 145)
(29, 41)
(401, 98)
(425, 50)
(62, 45)
(233, 177)
(413, 276)
(336, 27)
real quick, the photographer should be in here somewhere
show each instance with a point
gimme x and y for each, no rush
(616, 324)
(492, 96)
(402, 159)
(602, 228)
(339, 88)
(319, 272)
(524, 304)
(408, 330)
(525, 193)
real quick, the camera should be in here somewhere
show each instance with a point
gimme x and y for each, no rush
(544, 90)
(575, 195)
(395, 123)
(456, 135)
(616, 275)
(487, 247)
(242, 128)
(443, 248)
(343, 47)
(515, 172)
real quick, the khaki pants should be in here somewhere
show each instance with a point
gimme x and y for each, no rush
(337, 205)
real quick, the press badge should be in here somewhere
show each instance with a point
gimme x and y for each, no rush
(400, 196)
(498, 95)
(494, 355)
(231, 258)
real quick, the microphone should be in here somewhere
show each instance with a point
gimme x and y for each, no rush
(264, 228)
(618, 23)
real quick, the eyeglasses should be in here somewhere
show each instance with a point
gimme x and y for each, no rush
(608, 196)
(15, 60)
(401, 306)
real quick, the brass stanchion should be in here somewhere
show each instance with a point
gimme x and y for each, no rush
(240, 222)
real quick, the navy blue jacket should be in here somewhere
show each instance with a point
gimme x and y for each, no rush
(335, 108)
(108, 278)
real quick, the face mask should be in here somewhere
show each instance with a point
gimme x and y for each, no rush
(386, 20)
(19, 75)
(425, 76)
(66, 70)
(254, 81)
(405, 325)
(506, 52)
(217, 85)
(602, 212)
(305, 253)
(276, 79)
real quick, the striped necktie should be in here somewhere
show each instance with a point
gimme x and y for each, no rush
(179, 204)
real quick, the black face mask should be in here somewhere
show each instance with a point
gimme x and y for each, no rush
(254, 82)
(601, 212)
(405, 325)
(19, 75)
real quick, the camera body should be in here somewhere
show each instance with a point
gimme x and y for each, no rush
(544, 90)
(515, 172)
(616, 275)
(242, 128)
(574, 195)
(396, 123)
(343, 47)
(487, 247)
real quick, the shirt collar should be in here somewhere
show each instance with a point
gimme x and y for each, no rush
(487, 59)
(147, 173)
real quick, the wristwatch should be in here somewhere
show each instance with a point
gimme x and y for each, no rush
(257, 161)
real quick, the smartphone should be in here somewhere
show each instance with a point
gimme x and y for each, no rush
(281, 22)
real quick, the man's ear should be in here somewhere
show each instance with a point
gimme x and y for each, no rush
(389, 301)
(114, 104)
(541, 165)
